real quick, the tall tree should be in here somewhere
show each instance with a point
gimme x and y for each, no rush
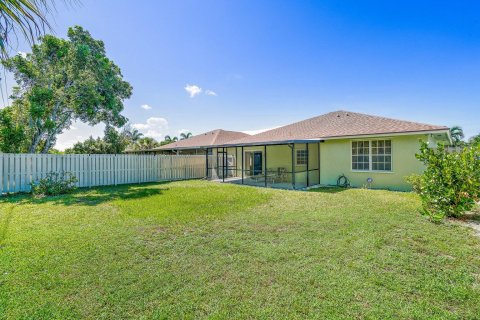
(457, 135)
(133, 134)
(185, 135)
(64, 80)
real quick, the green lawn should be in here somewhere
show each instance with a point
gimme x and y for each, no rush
(201, 249)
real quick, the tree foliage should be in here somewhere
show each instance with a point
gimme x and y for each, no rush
(145, 143)
(457, 135)
(450, 184)
(64, 80)
(185, 135)
(475, 140)
(170, 139)
(12, 131)
(113, 142)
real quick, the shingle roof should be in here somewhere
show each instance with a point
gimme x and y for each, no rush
(337, 124)
(215, 137)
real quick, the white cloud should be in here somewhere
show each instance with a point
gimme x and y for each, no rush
(193, 90)
(145, 107)
(154, 127)
(23, 54)
(210, 93)
(253, 132)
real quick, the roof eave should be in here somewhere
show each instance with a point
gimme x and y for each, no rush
(267, 143)
(388, 134)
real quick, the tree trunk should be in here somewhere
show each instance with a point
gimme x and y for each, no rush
(35, 142)
(49, 142)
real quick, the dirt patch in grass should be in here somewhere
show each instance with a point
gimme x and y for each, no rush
(471, 220)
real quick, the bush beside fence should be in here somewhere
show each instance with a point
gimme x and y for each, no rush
(18, 171)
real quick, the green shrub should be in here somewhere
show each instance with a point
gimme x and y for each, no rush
(416, 181)
(54, 184)
(450, 184)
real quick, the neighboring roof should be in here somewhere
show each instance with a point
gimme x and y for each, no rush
(335, 125)
(206, 139)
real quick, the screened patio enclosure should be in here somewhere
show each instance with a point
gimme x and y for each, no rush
(294, 165)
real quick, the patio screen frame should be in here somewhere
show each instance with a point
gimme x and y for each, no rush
(264, 147)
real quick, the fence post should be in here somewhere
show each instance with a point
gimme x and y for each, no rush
(185, 168)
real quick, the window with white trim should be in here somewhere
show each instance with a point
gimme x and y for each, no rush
(302, 157)
(360, 155)
(381, 155)
(372, 155)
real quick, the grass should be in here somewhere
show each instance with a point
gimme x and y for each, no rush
(205, 250)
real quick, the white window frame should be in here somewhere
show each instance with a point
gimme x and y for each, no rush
(369, 155)
(370, 162)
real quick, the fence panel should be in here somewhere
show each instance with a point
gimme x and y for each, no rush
(18, 171)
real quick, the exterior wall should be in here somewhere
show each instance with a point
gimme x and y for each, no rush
(335, 160)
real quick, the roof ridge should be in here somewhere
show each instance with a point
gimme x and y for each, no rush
(217, 132)
(383, 117)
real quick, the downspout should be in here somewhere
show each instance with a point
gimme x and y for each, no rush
(293, 165)
(319, 178)
(242, 164)
(225, 163)
(308, 173)
(206, 164)
(265, 174)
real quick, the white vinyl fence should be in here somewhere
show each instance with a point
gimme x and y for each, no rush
(18, 171)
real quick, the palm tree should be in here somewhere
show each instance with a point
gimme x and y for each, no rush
(169, 139)
(457, 135)
(27, 18)
(130, 133)
(184, 135)
(135, 135)
(146, 143)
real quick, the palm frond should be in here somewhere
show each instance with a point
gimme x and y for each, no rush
(27, 18)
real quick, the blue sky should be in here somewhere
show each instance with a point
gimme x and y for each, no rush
(270, 63)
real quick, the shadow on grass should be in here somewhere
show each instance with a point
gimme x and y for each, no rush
(328, 190)
(92, 196)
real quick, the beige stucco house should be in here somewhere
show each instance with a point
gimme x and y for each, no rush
(371, 151)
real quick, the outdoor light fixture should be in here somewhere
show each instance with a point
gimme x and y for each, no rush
(369, 182)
